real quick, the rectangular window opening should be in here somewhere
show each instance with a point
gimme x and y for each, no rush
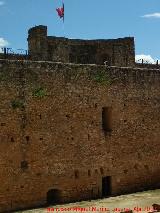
(107, 119)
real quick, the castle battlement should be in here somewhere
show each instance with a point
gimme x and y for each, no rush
(118, 52)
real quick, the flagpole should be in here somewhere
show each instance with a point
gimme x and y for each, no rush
(63, 30)
(63, 19)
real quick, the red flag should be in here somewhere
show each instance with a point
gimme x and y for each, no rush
(60, 12)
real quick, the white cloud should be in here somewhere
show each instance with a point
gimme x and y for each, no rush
(3, 43)
(152, 15)
(1, 3)
(146, 59)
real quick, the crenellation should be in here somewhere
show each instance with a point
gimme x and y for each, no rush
(114, 51)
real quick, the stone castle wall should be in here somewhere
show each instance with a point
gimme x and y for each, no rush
(53, 135)
(118, 52)
(12, 56)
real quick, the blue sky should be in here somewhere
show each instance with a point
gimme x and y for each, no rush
(85, 19)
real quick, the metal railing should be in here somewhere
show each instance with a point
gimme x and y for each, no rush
(11, 51)
(142, 61)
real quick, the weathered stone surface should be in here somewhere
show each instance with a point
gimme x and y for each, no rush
(52, 137)
(118, 52)
(72, 131)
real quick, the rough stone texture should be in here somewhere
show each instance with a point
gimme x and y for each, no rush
(52, 137)
(118, 52)
(14, 56)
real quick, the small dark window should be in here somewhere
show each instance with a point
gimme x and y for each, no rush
(24, 165)
(146, 167)
(89, 173)
(96, 171)
(76, 174)
(27, 138)
(12, 139)
(125, 171)
(88, 136)
(107, 119)
(3, 124)
(41, 139)
(139, 156)
(136, 166)
(40, 116)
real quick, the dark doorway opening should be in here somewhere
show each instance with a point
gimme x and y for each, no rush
(104, 59)
(53, 197)
(106, 186)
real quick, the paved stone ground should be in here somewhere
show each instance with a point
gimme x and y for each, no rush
(139, 202)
